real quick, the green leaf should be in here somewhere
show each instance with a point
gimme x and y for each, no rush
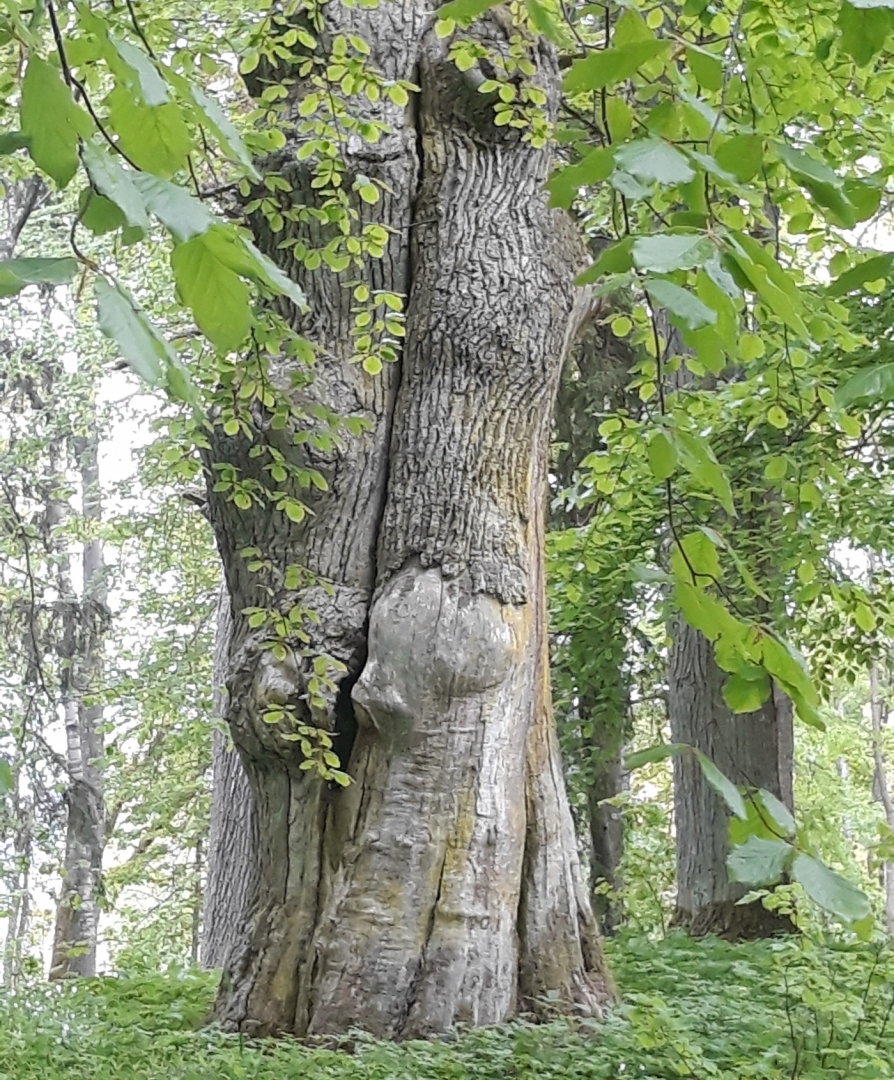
(783, 306)
(663, 253)
(779, 813)
(722, 784)
(697, 457)
(465, 10)
(684, 307)
(864, 618)
(116, 184)
(864, 28)
(123, 322)
(603, 67)
(662, 457)
(181, 214)
(659, 752)
(223, 128)
(155, 138)
(215, 294)
(806, 166)
(151, 85)
(872, 269)
(864, 197)
(12, 141)
(50, 121)
(620, 118)
(758, 861)
(746, 695)
(706, 67)
(542, 21)
(654, 160)
(696, 553)
(777, 417)
(742, 155)
(875, 384)
(786, 665)
(617, 258)
(829, 890)
(631, 27)
(595, 167)
(240, 255)
(7, 780)
(15, 274)
(98, 214)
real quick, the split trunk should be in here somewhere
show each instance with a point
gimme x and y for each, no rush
(443, 885)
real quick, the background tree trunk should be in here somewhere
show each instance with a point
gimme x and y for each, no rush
(443, 885)
(594, 384)
(881, 787)
(83, 626)
(232, 878)
(606, 781)
(754, 749)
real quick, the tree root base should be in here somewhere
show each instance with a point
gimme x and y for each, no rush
(734, 922)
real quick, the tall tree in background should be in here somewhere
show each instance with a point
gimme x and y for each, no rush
(755, 750)
(591, 628)
(84, 623)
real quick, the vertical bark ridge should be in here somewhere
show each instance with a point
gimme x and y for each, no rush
(232, 878)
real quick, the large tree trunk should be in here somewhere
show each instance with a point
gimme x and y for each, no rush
(443, 884)
(232, 879)
(84, 624)
(754, 749)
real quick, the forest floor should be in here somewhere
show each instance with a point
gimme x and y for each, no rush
(795, 1008)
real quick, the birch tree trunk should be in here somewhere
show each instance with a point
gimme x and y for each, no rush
(443, 884)
(754, 749)
(83, 626)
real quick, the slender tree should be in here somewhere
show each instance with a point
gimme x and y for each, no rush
(84, 621)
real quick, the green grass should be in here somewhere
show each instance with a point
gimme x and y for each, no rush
(789, 1009)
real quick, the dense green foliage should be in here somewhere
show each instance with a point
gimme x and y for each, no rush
(789, 1010)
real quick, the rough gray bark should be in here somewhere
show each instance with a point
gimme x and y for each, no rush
(754, 749)
(83, 625)
(232, 878)
(443, 885)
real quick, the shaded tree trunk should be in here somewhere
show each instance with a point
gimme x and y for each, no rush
(604, 717)
(594, 383)
(882, 789)
(443, 884)
(83, 626)
(754, 749)
(232, 879)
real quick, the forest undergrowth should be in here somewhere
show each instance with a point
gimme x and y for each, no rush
(790, 1008)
